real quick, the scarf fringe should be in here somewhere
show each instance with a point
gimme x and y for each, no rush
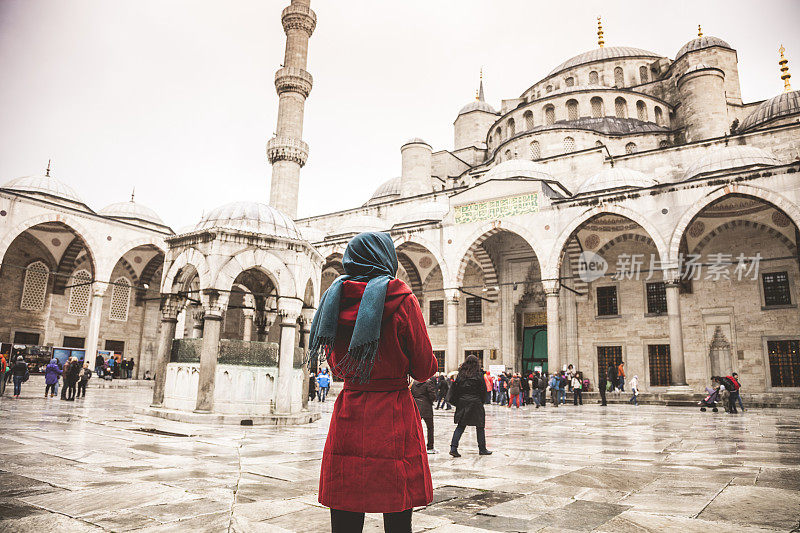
(357, 363)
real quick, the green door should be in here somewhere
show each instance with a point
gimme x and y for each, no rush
(534, 348)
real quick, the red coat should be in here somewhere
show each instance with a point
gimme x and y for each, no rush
(375, 459)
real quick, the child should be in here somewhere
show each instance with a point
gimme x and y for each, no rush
(634, 390)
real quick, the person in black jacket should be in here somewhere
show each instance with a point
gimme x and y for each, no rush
(442, 391)
(612, 376)
(466, 394)
(424, 395)
(20, 374)
(601, 387)
(72, 375)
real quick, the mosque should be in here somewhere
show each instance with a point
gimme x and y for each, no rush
(627, 207)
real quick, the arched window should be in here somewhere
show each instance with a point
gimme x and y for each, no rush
(621, 107)
(630, 148)
(549, 115)
(594, 79)
(34, 288)
(507, 155)
(598, 143)
(641, 111)
(548, 89)
(79, 293)
(664, 144)
(120, 299)
(659, 115)
(619, 77)
(528, 116)
(512, 127)
(643, 76)
(597, 107)
(536, 151)
(572, 110)
(569, 82)
(499, 135)
(569, 144)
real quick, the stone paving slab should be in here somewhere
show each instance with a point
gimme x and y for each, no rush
(618, 469)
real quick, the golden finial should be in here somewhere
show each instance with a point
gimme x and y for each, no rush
(479, 95)
(699, 31)
(133, 192)
(600, 40)
(784, 63)
(47, 173)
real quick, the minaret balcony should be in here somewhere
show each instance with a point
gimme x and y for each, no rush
(298, 16)
(287, 149)
(293, 79)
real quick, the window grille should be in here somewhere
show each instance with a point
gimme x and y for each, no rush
(663, 144)
(621, 107)
(643, 75)
(528, 120)
(474, 310)
(607, 301)
(120, 299)
(594, 79)
(499, 134)
(607, 356)
(569, 145)
(536, 151)
(784, 362)
(572, 110)
(34, 288)
(549, 115)
(659, 363)
(776, 288)
(619, 77)
(630, 148)
(597, 107)
(641, 111)
(79, 293)
(569, 82)
(476, 353)
(436, 312)
(656, 297)
(548, 89)
(439, 355)
(512, 127)
(659, 115)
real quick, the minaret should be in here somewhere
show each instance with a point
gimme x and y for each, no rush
(784, 63)
(286, 151)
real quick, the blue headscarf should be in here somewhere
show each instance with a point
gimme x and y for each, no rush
(369, 257)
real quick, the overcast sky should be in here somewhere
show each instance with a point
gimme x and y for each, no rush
(177, 98)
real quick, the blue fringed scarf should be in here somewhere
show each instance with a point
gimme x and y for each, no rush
(369, 257)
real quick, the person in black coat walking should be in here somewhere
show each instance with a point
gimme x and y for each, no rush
(466, 394)
(601, 387)
(612, 376)
(424, 395)
(72, 374)
(443, 388)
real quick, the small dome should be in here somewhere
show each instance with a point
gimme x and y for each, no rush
(477, 105)
(778, 106)
(730, 157)
(386, 190)
(517, 168)
(698, 43)
(360, 224)
(132, 211)
(616, 178)
(250, 217)
(415, 140)
(600, 54)
(46, 185)
(425, 212)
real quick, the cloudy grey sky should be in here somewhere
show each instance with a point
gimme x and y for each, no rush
(176, 97)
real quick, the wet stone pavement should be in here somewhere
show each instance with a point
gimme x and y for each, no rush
(91, 466)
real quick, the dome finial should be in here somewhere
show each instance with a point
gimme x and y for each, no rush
(699, 30)
(133, 192)
(600, 40)
(479, 93)
(47, 172)
(784, 63)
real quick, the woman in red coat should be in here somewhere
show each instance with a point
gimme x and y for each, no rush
(370, 328)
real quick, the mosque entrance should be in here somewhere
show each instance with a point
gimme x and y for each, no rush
(534, 348)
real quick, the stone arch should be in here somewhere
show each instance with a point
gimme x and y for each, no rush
(129, 271)
(190, 256)
(67, 264)
(734, 224)
(623, 238)
(428, 245)
(779, 202)
(108, 266)
(413, 274)
(334, 261)
(90, 243)
(260, 260)
(551, 269)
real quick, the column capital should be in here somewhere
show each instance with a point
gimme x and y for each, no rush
(288, 310)
(307, 317)
(171, 305)
(213, 302)
(452, 296)
(551, 286)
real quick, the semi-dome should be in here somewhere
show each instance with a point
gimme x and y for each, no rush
(46, 185)
(387, 190)
(477, 105)
(730, 157)
(698, 43)
(424, 212)
(784, 104)
(517, 168)
(131, 211)
(601, 54)
(251, 217)
(616, 178)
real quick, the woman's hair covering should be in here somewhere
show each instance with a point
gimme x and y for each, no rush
(470, 368)
(370, 257)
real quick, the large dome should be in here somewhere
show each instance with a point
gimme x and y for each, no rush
(477, 105)
(131, 211)
(698, 43)
(517, 168)
(730, 157)
(600, 54)
(778, 106)
(251, 217)
(616, 178)
(46, 185)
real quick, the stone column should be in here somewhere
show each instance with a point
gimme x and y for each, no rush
(95, 316)
(288, 311)
(306, 317)
(169, 319)
(571, 330)
(452, 357)
(553, 335)
(197, 324)
(212, 325)
(247, 335)
(677, 364)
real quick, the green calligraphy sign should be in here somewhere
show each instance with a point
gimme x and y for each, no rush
(497, 209)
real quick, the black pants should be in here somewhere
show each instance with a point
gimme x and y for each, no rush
(577, 396)
(460, 431)
(734, 394)
(70, 391)
(82, 389)
(49, 389)
(429, 426)
(602, 389)
(349, 522)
